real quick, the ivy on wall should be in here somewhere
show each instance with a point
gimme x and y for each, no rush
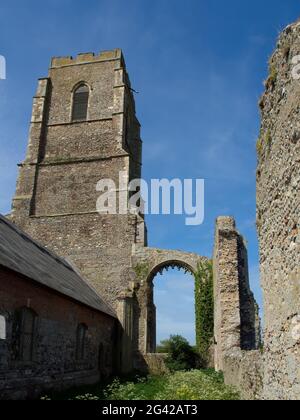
(204, 306)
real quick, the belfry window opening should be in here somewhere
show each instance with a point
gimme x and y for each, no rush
(80, 103)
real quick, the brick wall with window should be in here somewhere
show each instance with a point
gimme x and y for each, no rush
(48, 341)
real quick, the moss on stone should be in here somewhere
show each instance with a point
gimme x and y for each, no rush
(268, 138)
(273, 74)
(259, 146)
(262, 141)
(141, 270)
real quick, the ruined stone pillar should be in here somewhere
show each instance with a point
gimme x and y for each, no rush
(236, 323)
(226, 290)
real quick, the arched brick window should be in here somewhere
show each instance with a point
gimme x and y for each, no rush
(80, 341)
(24, 332)
(80, 103)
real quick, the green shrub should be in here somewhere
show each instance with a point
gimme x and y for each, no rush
(181, 355)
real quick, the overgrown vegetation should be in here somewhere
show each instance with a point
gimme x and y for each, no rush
(204, 306)
(192, 385)
(180, 354)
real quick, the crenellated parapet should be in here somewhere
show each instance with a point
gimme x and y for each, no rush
(86, 58)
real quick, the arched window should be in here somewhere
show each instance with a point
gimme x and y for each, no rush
(80, 103)
(2, 328)
(80, 341)
(24, 334)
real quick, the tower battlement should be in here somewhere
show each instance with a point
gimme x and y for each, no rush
(89, 57)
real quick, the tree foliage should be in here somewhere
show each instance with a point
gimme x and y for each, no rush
(181, 355)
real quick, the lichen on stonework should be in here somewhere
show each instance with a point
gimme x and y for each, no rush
(141, 270)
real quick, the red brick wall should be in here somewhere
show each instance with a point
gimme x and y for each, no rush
(54, 362)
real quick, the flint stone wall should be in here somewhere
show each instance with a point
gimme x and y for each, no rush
(278, 217)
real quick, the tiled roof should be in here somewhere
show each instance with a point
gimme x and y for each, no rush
(22, 254)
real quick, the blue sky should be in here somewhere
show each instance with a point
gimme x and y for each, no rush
(199, 67)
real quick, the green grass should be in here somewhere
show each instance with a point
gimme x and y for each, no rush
(192, 385)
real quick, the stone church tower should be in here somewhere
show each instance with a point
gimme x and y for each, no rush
(83, 129)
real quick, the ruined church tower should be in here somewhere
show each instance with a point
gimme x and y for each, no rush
(83, 129)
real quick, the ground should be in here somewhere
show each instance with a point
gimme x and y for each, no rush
(192, 385)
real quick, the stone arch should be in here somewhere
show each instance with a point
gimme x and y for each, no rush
(151, 307)
(161, 267)
(147, 263)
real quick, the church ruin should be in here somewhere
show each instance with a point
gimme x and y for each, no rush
(84, 128)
